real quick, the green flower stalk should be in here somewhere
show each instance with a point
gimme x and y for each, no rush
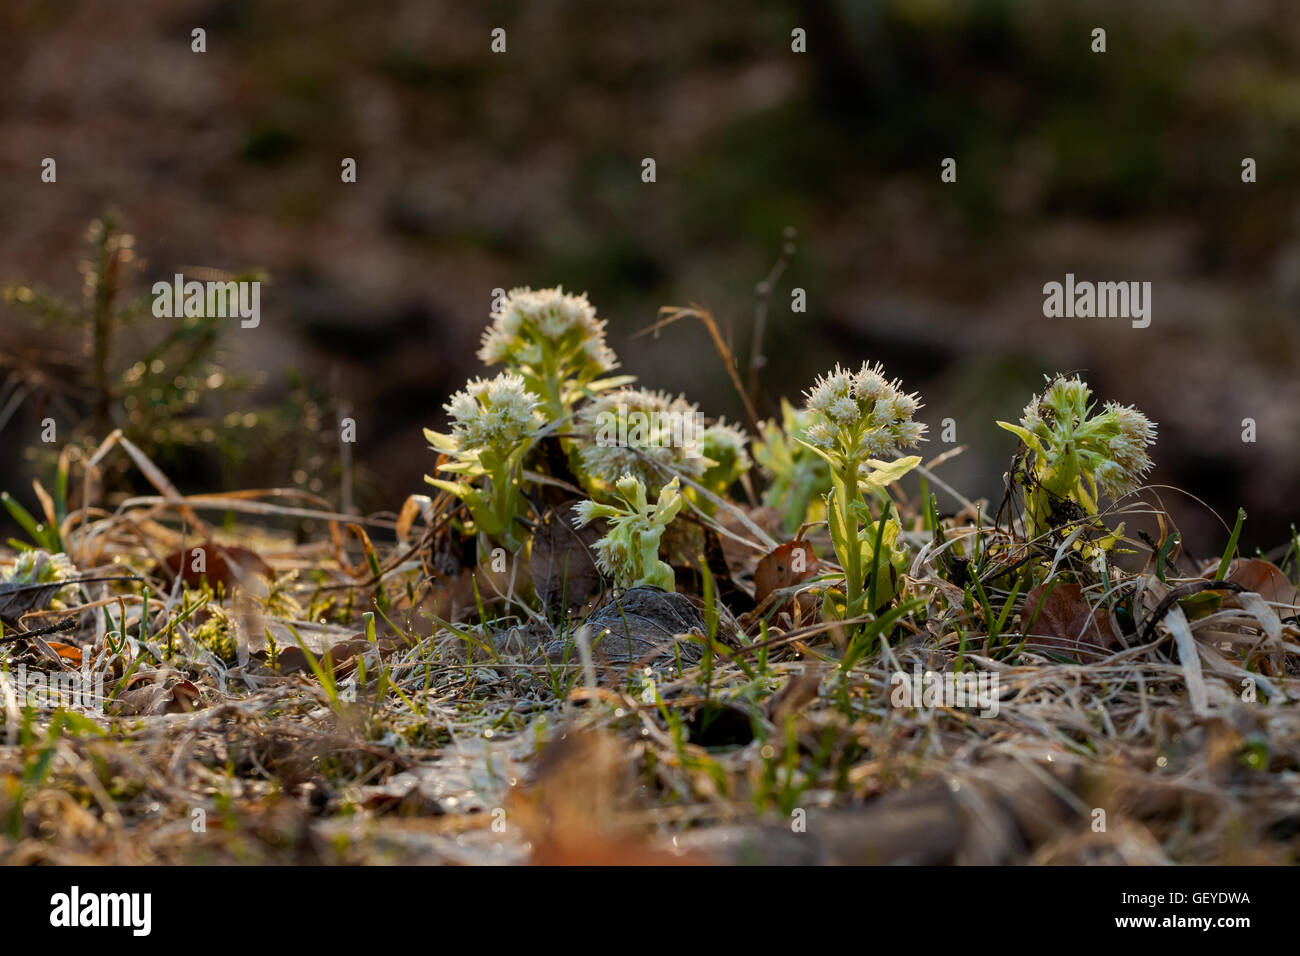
(1073, 456)
(857, 417)
(494, 424)
(555, 343)
(629, 553)
(799, 476)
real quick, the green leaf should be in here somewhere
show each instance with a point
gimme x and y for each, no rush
(455, 487)
(1226, 561)
(815, 450)
(24, 518)
(1024, 435)
(887, 472)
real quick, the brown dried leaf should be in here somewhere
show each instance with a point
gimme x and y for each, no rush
(801, 689)
(157, 697)
(224, 564)
(1065, 620)
(69, 652)
(784, 567)
(1263, 577)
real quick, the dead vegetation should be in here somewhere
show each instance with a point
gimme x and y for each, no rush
(339, 700)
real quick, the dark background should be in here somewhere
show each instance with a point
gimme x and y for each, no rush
(479, 171)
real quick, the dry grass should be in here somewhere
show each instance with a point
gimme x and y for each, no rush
(469, 742)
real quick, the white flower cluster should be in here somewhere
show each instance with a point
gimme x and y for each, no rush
(40, 567)
(567, 323)
(1127, 461)
(862, 414)
(727, 445)
(493, 414)
(641, 433)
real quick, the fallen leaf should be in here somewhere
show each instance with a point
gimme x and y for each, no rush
(1065, 620)
(69, 652)
(574, 808)
(339, 659)
(157, 697)
(801, 689)
(784, 567)
(1262, 577)
(219, 564)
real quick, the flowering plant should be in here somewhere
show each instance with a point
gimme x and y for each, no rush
(638, 432)
(650, 435)
(494, 423)
(1073, 456)
(555, 343)
(856, 418)
(36, 566)
(629, 552)
(726, 456)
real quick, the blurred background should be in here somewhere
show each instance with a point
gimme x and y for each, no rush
(478, 171)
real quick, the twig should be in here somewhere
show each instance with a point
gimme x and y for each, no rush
(765, 289)
(672, 313)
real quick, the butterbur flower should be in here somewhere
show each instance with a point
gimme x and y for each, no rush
(493, 424)
(41, 567)
(1073, 455)
(628, 554)
(641, 433)
(554, 341)
(725, 448)
(858, 416)
(493, 415)
(856, 421)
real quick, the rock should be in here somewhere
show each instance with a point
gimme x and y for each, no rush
(638, 626)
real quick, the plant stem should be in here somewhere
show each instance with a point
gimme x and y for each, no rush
(852, 559)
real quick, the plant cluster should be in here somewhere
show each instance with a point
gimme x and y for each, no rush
(830, 462)
(554, 342)
(791, 620)
(554, 350)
